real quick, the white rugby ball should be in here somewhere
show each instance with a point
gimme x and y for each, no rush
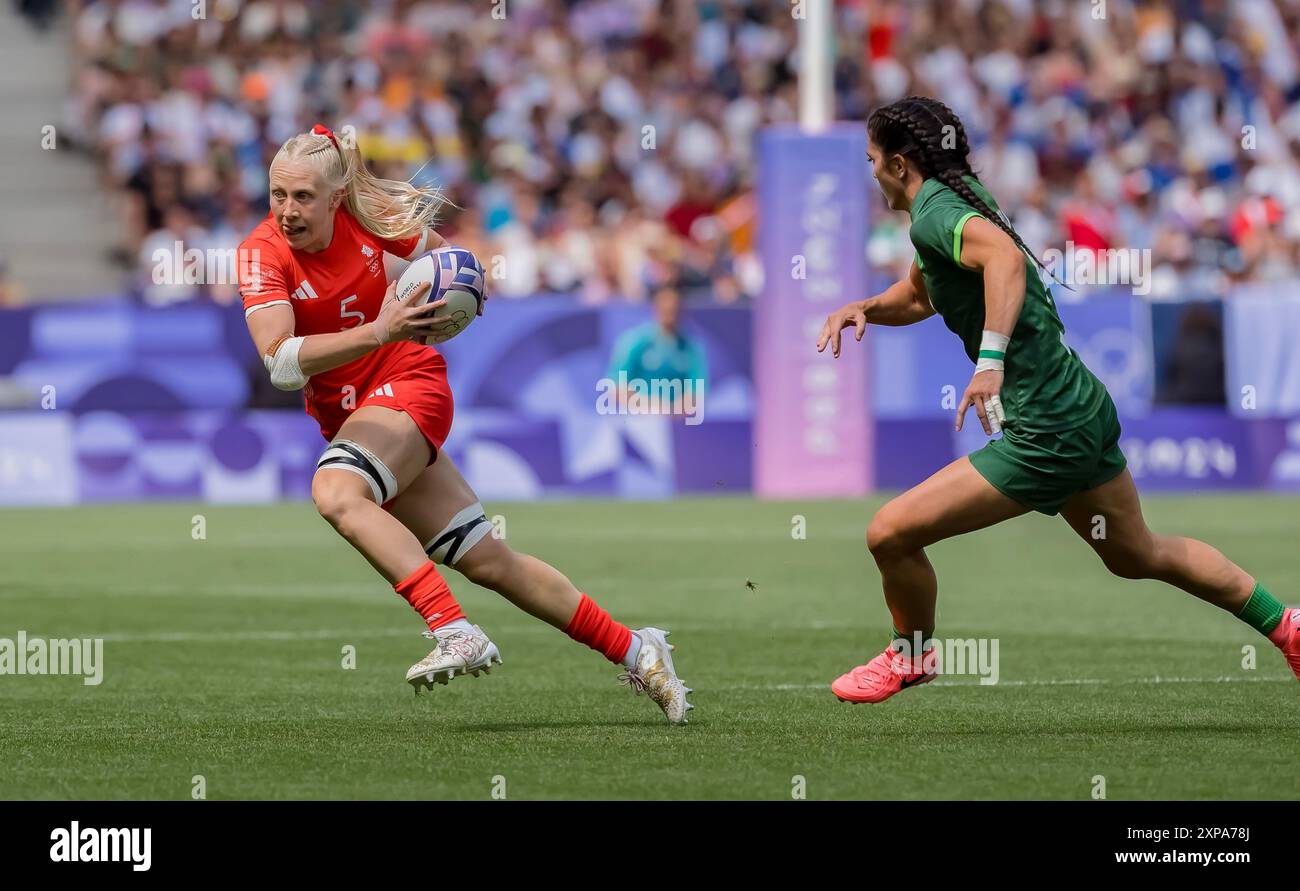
(454, 274)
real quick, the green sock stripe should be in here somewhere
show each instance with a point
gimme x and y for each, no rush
(925, 635)
(991, 354)
(1262, 611)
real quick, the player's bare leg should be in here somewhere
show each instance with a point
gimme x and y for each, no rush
(440, 493)
(376, 455)
(442, 511)
(1110, 519)
(346, 500)
(954, 501)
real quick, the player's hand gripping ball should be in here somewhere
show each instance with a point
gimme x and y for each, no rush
(454, 274)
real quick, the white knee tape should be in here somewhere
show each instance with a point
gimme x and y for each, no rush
(464, 530)
(344, 454)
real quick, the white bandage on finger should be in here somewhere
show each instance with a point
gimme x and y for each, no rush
(461, 533)
(996, 401)
(993, 413)
(282, 363)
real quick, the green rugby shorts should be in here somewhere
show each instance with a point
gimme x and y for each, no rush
(1044, 470)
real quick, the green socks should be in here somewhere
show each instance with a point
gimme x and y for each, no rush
(1262, 611)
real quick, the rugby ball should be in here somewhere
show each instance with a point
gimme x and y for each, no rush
(454, 274)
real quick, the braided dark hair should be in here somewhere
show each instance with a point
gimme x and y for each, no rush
(932, 136)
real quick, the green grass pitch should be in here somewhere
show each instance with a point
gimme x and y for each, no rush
(223, 659)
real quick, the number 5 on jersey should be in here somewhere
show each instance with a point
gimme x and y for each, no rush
(354, 314)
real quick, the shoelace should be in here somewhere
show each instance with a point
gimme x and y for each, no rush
(877, 671)
(885, 666)
(633, 680)
(458, 643)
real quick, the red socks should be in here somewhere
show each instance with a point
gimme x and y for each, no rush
(427, 593)
(592, 626)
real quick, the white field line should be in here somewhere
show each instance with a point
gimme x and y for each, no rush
(355, 634)
(303, 634)
(235, 636)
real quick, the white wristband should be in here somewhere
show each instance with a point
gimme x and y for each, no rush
(992, 353)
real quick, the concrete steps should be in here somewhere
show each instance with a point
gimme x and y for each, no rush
(56, 227)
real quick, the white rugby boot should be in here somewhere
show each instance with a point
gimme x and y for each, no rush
(457, 653)
(654, 675)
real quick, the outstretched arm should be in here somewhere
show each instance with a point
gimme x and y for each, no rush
(904, 302)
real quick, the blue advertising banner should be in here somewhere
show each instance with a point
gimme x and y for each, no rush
(1168, 449)
(919, 371)
(1203, 449)
(36, 456)
(529, 420)
(1112, 335)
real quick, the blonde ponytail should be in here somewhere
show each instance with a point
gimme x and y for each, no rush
(387, 208)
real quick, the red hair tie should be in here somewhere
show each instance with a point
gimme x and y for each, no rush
(322, 130)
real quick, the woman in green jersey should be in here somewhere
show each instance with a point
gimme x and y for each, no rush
(1059, 450)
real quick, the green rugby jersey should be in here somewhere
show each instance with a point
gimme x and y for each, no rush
(1046, 387)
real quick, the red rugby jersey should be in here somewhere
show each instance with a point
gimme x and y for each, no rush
(329, 291)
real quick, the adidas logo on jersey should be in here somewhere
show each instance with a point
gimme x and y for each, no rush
(304, 291)
(385, 390)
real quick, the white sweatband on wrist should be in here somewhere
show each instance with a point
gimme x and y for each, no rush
(993, 352)
(286, 373)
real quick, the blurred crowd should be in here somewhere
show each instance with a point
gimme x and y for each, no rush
(604, 148)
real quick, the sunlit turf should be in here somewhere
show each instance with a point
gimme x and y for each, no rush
(224, 660)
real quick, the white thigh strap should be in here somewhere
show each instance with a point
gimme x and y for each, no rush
(344, 454)
(461, 533)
